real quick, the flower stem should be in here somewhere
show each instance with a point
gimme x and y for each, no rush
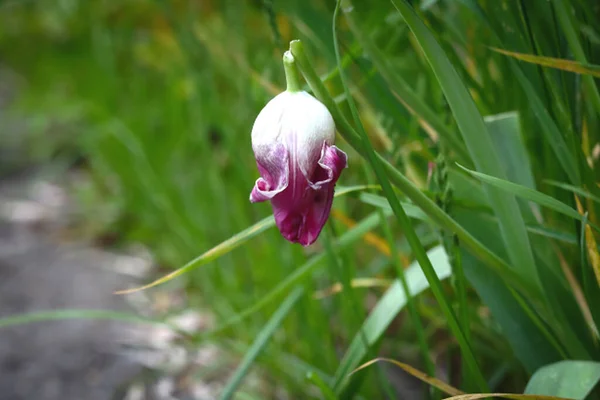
(402, 182)
(292, 76)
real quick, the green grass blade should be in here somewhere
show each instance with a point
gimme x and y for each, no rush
(381, 202)
(505, 131)
(316, 380)
(231, 244)
(388, 307)
(404, 91)
(259, 343)
(569, 379)
(301, 273)
(55, 315)
(489, 258)
(411, 303)
(550, 130)
(526, 193)
(212, 254)
(409, 232)
(574, 189)
(478, 142)
(564, 15)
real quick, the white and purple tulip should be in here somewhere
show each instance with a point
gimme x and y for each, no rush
(292, 139)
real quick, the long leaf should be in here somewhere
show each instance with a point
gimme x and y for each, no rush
(388, 307)
(259, 343)
(436, 383)
(513, 396)
(571, 379)
(564, 16)
(552, 62)
(300, 273)
(526, 193)
(489, 258)
(574, 189)
(55, 315)
(478, 142)
(230, 244)
(413, 240)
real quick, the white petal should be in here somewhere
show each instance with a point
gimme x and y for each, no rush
(298, 121)
(267, 126)
(307, 124)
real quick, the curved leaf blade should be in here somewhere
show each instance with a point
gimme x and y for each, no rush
(436, 383)
(388, 307)
(557, 63)
(231, 244)
(478, 141)
(571, 379)
(259, 343)
(525, 193)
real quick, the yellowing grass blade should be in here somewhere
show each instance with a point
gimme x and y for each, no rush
(369, 237)
(436, 383)
(592, 248)
(355, 283)
(514, 396)
(557, 63)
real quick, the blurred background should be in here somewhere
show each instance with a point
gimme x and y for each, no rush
(125, 153)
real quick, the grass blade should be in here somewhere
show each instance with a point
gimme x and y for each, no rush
(231, 244)
(259, 343)
(564, 15)
(404, 92)
(54, 315)
(513, 396)
(300, 273)
(526, 193)
(552, 62)
(571, 379)
(489, 258)
(479, 144)
(409, 232)
(436, 383)
(388, 307)
(316, 380)
(574, 189)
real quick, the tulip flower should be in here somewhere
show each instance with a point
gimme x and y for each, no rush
(292, 140)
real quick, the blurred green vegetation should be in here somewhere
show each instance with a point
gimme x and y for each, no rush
(156, 100)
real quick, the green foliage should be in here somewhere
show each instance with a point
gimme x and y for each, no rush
(482, 160)
(570, 379)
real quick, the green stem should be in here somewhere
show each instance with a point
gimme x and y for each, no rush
(563, 12)
(410, 234)
(403, 183)
(292, 77)
(411, 302)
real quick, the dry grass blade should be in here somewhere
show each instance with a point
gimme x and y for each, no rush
(438, 384)
(590, 243)
(514, 396)
(371, 238)
(355, 283)
(558, 63)
(577, 293)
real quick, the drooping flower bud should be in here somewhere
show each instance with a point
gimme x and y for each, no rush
(292, 139)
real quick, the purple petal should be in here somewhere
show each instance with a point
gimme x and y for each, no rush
(303, 208)
(274, 168)
(332, 162)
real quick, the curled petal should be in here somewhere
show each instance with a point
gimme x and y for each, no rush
(300, 217)
(331, 163)
(273, 165)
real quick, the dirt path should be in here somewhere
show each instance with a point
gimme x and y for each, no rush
(67, 359)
